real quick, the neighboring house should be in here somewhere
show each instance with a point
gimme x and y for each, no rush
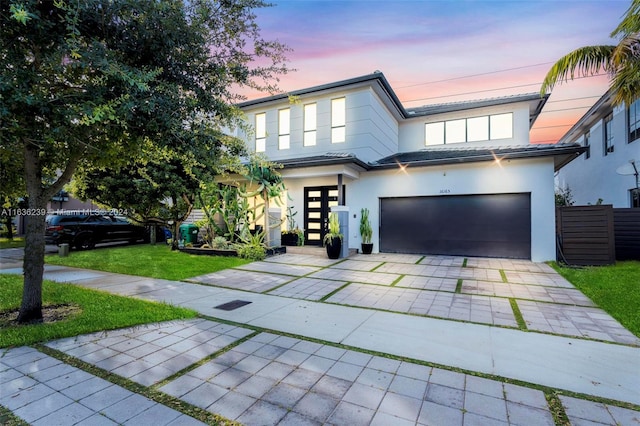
(452, 179)
(611, 137)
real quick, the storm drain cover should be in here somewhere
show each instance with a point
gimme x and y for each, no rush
(234, 304)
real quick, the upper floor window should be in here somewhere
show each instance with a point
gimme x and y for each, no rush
(488, 127)
(284, 128)
(261, 132)
(608, 134)
(587, 144)
(310, 125)
(634, 195)
(634, 121)
(338, 120)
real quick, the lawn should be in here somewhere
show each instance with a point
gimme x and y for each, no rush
(88, 311)
(615, 288)
(155, 261)
(16, 242)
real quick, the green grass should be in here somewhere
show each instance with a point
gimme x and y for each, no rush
(615, 288)
(157, 261)
(97, 311)
(16, 242)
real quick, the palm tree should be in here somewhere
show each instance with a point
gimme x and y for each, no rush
(621, 62)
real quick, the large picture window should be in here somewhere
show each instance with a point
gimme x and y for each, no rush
(261, 132)
(483, 128)
(338, 120)
(634, 121)
(310, 124)
(284, 128)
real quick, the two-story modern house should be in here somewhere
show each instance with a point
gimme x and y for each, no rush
(608, 169)
(453, 179)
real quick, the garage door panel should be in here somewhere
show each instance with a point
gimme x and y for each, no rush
(496, 225)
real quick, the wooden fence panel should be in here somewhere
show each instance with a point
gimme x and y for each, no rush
(586, 235)
(626, 224)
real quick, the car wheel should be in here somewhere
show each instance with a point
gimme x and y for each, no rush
(85, 242)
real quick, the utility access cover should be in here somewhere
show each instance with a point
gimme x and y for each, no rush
(230, 306)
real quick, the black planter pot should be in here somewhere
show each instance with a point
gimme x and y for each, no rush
(288, 239)
(366, 248)
(334, 247)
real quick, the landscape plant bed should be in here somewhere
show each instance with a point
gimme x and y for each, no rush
(271, 251)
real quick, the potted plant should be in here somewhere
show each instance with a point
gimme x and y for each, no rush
(293, 236)
(333, 238)
(366, 232)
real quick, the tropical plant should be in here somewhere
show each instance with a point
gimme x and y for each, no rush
(220, 243)
(334, 229)
(366, 232)
(621, 62)
(270, 186)
(253, 248)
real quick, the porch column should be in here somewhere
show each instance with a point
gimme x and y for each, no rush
(273, 227)
(343, 217)
(340, 191)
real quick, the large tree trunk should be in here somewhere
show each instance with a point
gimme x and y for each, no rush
(33, 265)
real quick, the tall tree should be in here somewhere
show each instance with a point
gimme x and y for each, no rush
(621, 61)
(90, 84)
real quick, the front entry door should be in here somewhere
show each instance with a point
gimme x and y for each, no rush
(317, 202)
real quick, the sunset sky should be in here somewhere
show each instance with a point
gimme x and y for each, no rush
(431, 50)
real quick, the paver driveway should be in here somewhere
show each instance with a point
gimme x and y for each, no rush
(485, 291)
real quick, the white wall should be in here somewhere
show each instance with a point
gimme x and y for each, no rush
(596, 177)
(515, 176)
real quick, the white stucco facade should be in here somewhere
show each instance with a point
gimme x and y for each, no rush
(595, 177)
(386, 154)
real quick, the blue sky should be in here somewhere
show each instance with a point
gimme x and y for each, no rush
(473, 45)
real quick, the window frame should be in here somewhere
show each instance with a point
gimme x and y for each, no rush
(607, 136)
(338, 120)
(439, 133)
(587, 144)
(260, 131)
(309, 126)
(284, 128)
(634, 134)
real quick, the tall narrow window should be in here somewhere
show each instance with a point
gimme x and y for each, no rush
(338, 120)
(310, 125)
(261, 132)
(587, 144)
(634, 121)
(608, 134)
(284, 128)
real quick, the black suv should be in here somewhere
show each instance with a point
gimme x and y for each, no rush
(84, 231)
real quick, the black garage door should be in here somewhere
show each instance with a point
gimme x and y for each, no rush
(494, 225)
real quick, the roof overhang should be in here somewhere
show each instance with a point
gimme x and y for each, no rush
(562, 155)
(323, 165)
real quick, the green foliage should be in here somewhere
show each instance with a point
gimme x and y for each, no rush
(366, 232)
(97, 311)
(220, 243)
(291, 222)
(253, 247)
(615, 288)
(620, 61)
(157, 261)
(564, 197)
(334, 228)
(97, 87)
